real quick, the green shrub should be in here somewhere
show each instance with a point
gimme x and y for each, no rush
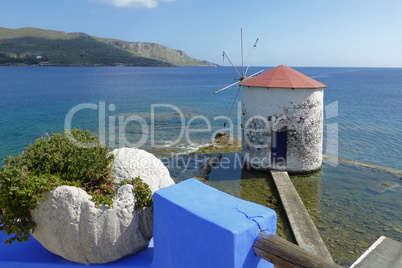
(142, 192)
(74, 158)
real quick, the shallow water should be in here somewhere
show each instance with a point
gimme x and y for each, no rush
(348, 215)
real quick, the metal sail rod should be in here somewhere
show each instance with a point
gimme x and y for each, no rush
(226, 87)
(242, 64)
(255, 46)
(232, 64)
(237, 82)
(231, 108)
(256, 73)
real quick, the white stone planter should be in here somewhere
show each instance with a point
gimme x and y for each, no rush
(69, 224)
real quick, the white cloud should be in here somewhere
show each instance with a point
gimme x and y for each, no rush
(132, 3)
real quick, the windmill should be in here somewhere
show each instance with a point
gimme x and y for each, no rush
(243, 74)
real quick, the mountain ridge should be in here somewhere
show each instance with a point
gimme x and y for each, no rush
(35, 46)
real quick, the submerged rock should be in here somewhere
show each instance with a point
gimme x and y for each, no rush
(69, 224)
(383, 186)
(203, 173)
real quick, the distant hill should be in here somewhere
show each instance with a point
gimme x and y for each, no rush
(33, 46)
(156, 52)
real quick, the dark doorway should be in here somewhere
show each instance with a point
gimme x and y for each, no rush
(278, 149)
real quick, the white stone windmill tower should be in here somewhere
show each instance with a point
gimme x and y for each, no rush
(282, 120)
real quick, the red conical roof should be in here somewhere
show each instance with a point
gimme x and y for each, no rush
(282, 77)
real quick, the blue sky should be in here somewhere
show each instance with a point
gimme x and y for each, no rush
(350, 33)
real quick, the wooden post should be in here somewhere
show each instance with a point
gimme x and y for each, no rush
(284, 254)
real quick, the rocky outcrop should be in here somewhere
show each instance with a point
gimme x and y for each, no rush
(69, 224)
(223, 139)
(157, 52)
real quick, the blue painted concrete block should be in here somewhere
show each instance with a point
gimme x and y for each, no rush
(198, 226)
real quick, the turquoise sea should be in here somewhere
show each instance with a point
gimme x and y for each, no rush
(153, 107)
(36, 100)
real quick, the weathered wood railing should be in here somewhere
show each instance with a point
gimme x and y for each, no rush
(284, 254)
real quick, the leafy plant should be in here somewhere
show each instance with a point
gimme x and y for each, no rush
(142, 192)
(74, 158)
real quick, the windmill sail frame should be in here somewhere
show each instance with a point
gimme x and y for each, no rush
(243, 75)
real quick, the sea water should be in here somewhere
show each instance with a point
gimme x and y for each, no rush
(36, 100)
(173, 111)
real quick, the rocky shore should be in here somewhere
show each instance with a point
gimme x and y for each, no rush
(222, 143)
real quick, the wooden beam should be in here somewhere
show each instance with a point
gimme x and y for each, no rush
(285, 254)
(303, 228)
